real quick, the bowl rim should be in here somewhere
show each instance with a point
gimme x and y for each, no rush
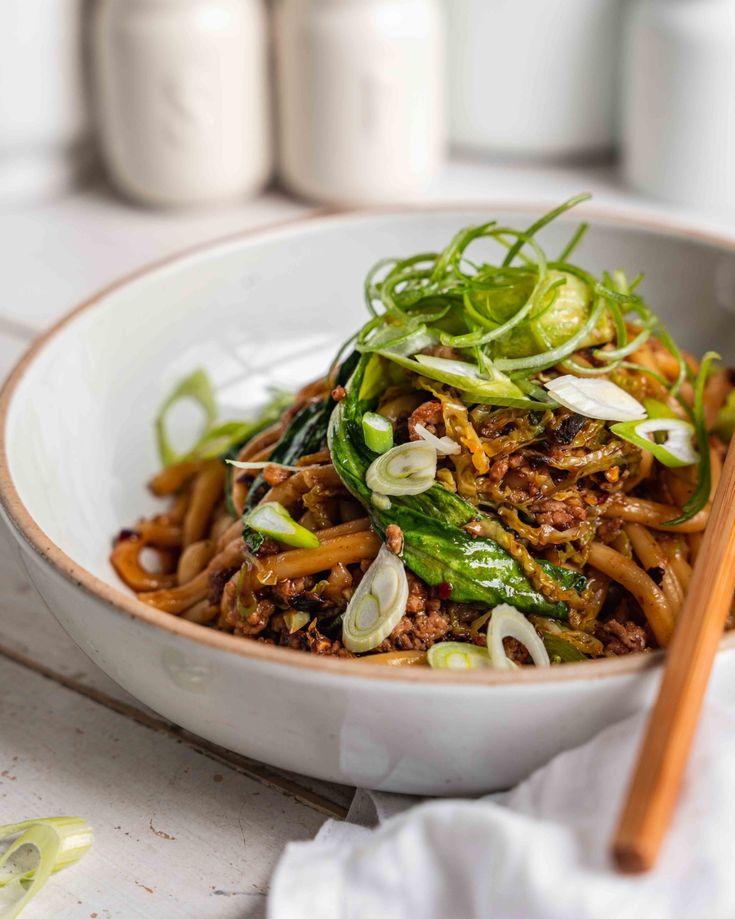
(122, 603)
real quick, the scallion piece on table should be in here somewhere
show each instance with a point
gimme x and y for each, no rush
(272, 519)
(377, 431)
(37, 849)
(408, 469)
(677, 448)
(377, 605)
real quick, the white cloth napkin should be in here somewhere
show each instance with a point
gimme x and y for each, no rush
(540, 850)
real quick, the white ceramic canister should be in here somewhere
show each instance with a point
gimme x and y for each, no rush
(536, 78)
(679, 101)
(361, 97)
(182, 98)
(43, 111)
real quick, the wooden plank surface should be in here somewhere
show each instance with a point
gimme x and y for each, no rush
(177, 835)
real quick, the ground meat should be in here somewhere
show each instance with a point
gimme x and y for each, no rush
(338, 393)
(255, 622)
(444, 351)
(516, 651)
(417, 633)
(559, 514)
(418, 594)
(217, 583)
(275, 475)
(608, 529)
(430, 416)
(394, 538)
(621, 637)
(312, 640)
(499, 468)
(268, 547)
(285, 590)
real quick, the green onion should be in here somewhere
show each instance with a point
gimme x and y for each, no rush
(408, 469)
(676, 450)
(507, 622)
(272, 519)
(704, 480)
(725, 423)
(197, 388)
(40, 848)
(595, 399)
(455, 655)
(377, 605)
(215, 440)
(377, 431)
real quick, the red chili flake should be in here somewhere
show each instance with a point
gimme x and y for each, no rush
(444, 590)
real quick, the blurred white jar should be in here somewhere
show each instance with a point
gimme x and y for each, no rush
(43, 112)
(536, 78)
(182, 98)
(679, 101)
(361, 97)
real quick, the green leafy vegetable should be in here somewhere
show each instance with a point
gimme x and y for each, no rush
(560, 650)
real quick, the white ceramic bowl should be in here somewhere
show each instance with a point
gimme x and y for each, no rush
(77, 448)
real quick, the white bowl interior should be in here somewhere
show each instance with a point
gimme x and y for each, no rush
(257, 312)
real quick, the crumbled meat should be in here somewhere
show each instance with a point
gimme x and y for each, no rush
(394, 538)
(608, 529)
(559, 514)
(275, 475)
(621, 637)
(267, 547)
(417, 594)
(430, 416)
(444, 351)
(516, 651)
(217, 582)
(338, 393)
(499, 468)
(256, 621)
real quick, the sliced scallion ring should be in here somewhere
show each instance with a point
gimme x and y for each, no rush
(272, 519)
(444, 446)
(677, 448)
(377, 605)
(456, 655)
(40, 848)
(377, 431)
(507, 622)
(595, 398)
(408, 469)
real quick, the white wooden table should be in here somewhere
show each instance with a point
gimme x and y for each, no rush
(183, 828)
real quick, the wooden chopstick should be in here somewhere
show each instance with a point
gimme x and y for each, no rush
(655, 785)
